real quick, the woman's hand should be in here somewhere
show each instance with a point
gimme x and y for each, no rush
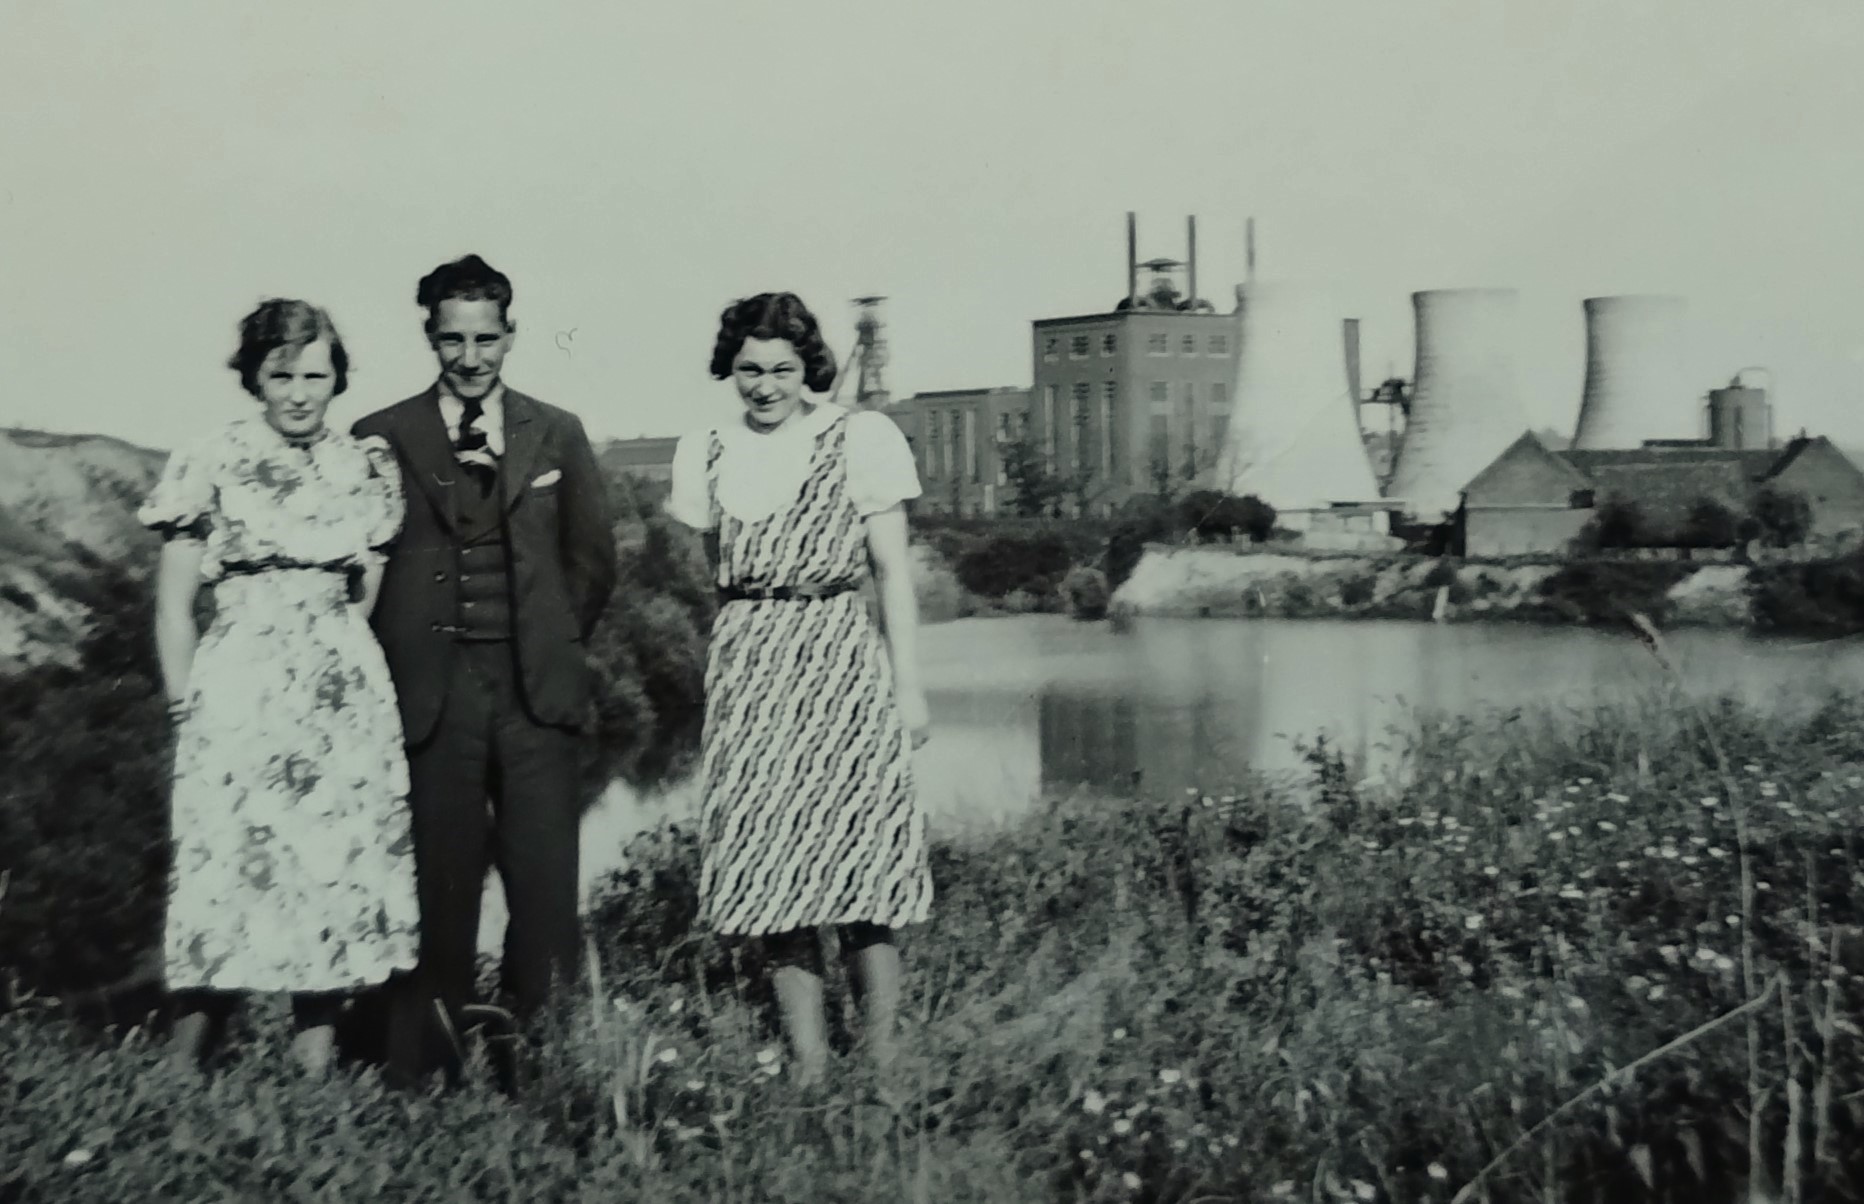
(915, 715)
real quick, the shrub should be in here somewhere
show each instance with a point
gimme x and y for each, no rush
(1441, 574)
(1034, 564)
(1085, 591)
(1611, 591)
(1821, 597)
(1783, 516)
(1152, 523)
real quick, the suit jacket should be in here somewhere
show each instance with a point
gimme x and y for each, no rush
(563, 561)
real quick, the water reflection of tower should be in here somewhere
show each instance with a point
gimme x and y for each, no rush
(1088, 740)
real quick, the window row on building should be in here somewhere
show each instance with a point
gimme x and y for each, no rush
(1080, 346)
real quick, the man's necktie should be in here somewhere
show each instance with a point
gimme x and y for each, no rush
(471, 449)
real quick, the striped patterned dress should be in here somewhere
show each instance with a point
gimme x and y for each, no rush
(808, 815)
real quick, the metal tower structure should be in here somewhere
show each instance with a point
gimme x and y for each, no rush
(870, 348)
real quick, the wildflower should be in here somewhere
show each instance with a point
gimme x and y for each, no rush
(1170, 1075)
(1232, 1141)
(1493, 871)
(1724, 963)
(1119, 1034)
(1692, 859)
(1574, 830)
(677, 1006)
(1624, 865)
(1405, 821)
(1571, 892)
(1438, 1171)
(1556, 837)
(1131, 1180)
(1087, 1155)
(1364, 1190)
(1472, 922)
(1122, 1126)
(695, 1085)
(1094, 1103)
(1615, 797)
(766, 1056)
(78, 1157)
(1606, 825)
(1709, 801)
(1763, 886)
(1656, 992)
(1284, 1187)
(1718, 852)
(1179, 1145)
(667, 1056)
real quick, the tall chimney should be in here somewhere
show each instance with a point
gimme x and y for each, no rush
(1249, 241)
(1190, 235)
(1132, 259)
(1351, 330)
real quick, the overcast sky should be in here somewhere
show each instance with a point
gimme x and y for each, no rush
(636, 166)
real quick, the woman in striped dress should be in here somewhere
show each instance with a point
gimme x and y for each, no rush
(808, 814)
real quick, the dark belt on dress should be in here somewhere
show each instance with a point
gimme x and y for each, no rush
(785, 593)
(249, 568)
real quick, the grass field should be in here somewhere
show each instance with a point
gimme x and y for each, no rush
(1601, 957)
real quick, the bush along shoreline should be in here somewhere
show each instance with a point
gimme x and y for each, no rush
(1816, 597)
(1607, 957)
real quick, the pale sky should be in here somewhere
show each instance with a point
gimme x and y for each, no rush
(635, 167)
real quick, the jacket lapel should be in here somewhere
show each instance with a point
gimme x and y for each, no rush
(524, 432)
(430, 453)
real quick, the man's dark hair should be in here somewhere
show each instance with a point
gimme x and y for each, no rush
(469, 278)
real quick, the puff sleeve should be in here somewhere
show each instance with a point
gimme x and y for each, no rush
(388, 504)
(690, 501)
(881, 470)
(181, 504)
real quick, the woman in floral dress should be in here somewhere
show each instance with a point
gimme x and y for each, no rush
(809, 817)
(293, 868)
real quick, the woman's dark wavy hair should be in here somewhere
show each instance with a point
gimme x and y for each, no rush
(774, 316)
(468, 278)
(281, 322)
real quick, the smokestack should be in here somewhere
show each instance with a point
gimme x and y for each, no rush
(1132, 259)
(1249, 250)
(1291, 441)
(1635, 385)
(1190, 237)
(1465, 409)
(1351, 330)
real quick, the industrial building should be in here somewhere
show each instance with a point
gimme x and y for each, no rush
(1136, 400)
(958, 437)
(1534, 500)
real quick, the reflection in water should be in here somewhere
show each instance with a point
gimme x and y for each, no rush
(1041, 704)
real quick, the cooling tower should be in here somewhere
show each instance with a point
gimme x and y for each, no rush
(1293, 437)
(1465, 408)
(1636, 388)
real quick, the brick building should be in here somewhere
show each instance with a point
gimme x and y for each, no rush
(1136, 400)
(1535, 500)
(957, 437)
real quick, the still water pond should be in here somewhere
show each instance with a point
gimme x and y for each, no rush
(1030, 706)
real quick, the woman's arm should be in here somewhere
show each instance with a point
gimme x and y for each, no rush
(371, 587)
(899, 615)
(177, 583)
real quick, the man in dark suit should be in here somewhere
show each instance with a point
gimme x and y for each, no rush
(502, 568)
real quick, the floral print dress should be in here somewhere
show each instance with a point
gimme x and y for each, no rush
(293, 860)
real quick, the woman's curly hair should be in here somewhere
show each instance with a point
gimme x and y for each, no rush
(774, 316)
(282, 322)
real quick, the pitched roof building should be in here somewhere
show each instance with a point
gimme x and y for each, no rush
(1532, 499)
